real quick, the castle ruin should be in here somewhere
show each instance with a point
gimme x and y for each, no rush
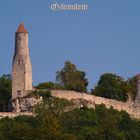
(22, 83)
(21, 67)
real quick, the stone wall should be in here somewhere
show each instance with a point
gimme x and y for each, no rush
(79, 99)
(128, 106)
(12, 115)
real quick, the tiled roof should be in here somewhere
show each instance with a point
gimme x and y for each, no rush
(21, 29)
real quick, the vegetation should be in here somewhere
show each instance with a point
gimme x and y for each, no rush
(49, 85)
(111, 86)
(5, 91)
(45, 94)
(52, 123)
(71, 78)
(132, 86)
(100, 124)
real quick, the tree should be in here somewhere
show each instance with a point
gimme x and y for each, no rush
(79, 124)
(47, 114)
(111, 86)
(71, 78)
(5, 91)
(48, 85)
(51, 105)
(132, 86)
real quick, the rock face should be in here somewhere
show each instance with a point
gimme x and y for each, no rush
(79, 103)
(24, 104)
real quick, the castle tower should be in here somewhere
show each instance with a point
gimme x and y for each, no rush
(21, 67)
(137, 99)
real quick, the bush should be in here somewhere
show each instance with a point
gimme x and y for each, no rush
(111, 86)
(45, 94)
(72, 79)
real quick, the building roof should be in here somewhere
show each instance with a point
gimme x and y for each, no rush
(21, 29)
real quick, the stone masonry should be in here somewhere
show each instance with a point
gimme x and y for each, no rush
(95, 100)
(21, 67)
(137, 100)
(22, 85)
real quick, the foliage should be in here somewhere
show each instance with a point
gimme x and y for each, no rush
(44, 126)
(45, 94)
(111, 86)
(53, 123)
(71, 78)
(47, 116)
(52, 105)
(5, 91)
(100, 124)
(132, 86)
(48, 85)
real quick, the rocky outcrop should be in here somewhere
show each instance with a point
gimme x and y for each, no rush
(25, 104)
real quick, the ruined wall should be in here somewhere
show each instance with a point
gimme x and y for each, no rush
(12, 115)
(79, 100)
(128, 106)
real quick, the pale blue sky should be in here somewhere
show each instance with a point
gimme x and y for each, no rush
(106, 38)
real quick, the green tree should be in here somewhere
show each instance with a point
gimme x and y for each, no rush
(132, 86)
(47, 117)
(5, 91)
(48, 85)
(51, 105)
(111, 86)
(80, 124)
(71, 78)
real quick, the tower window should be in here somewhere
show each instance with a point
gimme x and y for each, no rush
(18, 93)
(19, 61)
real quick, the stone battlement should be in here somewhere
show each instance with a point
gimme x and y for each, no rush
(91, 101)
(120, 106)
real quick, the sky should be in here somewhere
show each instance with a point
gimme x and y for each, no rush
(105, 38)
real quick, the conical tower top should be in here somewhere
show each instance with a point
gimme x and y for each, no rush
(21, 29)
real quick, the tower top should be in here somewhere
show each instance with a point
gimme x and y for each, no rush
(21, 29)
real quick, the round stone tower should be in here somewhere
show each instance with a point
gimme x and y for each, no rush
(137, 99)
(21, 67)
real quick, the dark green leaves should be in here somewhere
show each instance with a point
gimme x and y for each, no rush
(111, 86)
(71, 78)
